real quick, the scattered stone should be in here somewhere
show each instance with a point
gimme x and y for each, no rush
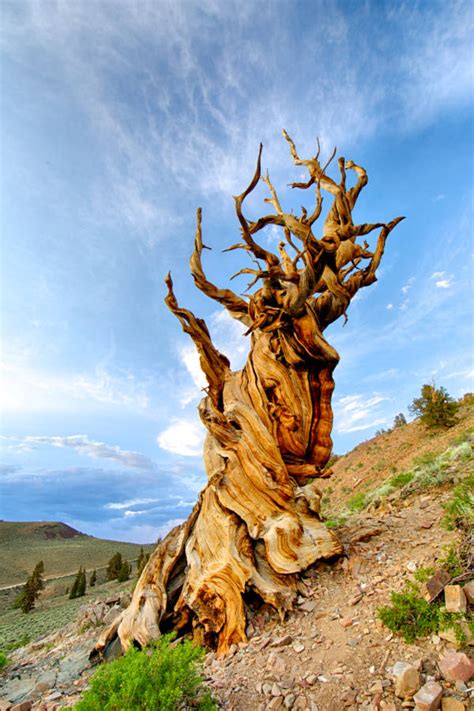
(24, 706)
(276, 664)
(411, 566)
(455, 599)
(436, 584)
(298, 647)
(456, 666)
(428, 697)
(282, 641)
(407, 680)
(448, 703)
(53, 697)
(275, 703)
(469, 591)
(112, 600)
(346, 622)
(276, 691)
(111, 615)
(5, 705)
(289, 701)
(426, 523)
(125, 600)
(364, 532)
(308, 606)
(376, 688)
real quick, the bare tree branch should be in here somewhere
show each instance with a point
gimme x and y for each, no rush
(214, 364)
(236, 306)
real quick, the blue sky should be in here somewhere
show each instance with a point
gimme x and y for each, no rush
(118, 119)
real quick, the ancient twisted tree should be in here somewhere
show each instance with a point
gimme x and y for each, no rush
(256, 525)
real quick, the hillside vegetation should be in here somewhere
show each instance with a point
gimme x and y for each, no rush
(396, 452)
(60, 547)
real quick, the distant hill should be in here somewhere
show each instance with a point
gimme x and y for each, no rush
(59, 546)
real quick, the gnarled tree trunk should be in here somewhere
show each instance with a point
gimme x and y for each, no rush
(256, 524)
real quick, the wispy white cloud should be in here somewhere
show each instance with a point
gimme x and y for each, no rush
(130, 502)
(26, 389)
(464, 374)
(443, 283)
(354, 413)
(189, 357)
(406, 288)
(197, 128)
(83, 445)
(184, 437)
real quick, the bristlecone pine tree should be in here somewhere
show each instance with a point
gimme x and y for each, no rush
(435, 407)
(79, 585)
(113, 567)
(256, 525)
(31, 590)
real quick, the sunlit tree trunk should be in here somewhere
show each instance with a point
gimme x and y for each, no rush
(256, 525)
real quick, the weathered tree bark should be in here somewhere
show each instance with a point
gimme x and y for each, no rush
(256, 524)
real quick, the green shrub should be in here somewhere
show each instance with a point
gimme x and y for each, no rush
(410, 615)
(400, 480)
(161, 677)
(358, 502)
(455, 559)
(425, 459)
(423, 574)
(460, 507)
(335, 521)
(466, 436)
(3, 660)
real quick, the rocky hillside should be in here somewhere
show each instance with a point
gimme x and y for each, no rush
(388, 501)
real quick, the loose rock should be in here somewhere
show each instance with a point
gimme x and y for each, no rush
(456, 666)
(450, 704)
(407, 680)
(454, 598)
(469, 591)
(428, 697)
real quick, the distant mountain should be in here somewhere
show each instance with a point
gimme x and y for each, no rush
(59, 546)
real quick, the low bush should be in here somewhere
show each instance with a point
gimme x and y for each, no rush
(163, 677)
(400, 480)
(358, 502)
(412, 616)
(460, 507)
(3, 660)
